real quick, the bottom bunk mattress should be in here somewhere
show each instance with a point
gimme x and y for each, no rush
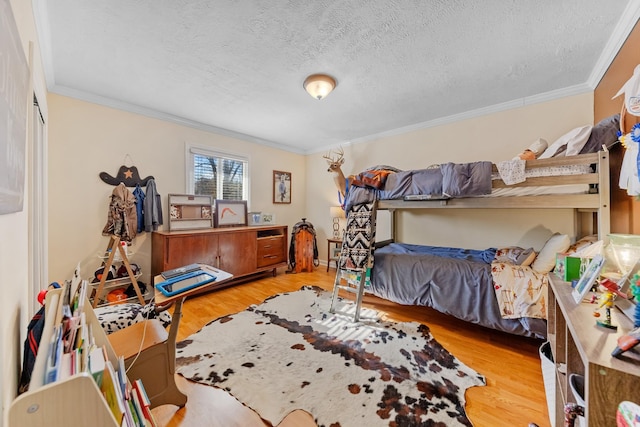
(453, 281)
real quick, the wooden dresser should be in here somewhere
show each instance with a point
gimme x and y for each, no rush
(241, 251)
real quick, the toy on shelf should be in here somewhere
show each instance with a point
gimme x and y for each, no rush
(609, 292)
(627, 342)
(632, 339)
(635, 292)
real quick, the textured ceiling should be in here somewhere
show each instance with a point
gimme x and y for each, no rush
(237, 66)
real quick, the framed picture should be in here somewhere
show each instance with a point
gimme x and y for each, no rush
(281, 187)
(588, 278)
(268, 218)
(14, 94)
(230, 213)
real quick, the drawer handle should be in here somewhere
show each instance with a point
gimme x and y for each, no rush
(267, 246)
(270, 256)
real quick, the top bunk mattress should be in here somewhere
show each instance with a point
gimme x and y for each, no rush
(570, 175)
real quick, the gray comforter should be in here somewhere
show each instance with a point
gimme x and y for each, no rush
(448, 179)
(457, 282)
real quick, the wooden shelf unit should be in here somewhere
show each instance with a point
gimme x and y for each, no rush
(241, 251)
(580, 346)
(72, 402)
(190, 212)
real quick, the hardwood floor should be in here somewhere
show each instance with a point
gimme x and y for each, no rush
(514, 394)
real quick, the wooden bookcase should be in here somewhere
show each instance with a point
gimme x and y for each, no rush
(580, 346)
(72, 402)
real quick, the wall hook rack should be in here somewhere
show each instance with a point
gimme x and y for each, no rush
(126, 174)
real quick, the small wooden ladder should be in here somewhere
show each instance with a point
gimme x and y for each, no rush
(114, 245)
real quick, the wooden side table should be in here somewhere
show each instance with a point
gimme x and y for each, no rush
(154, 360)
(330, 247)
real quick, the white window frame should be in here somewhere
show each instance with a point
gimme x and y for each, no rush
(191, 150)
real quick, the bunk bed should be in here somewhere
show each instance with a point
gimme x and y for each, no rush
(587, 191)
(461, 284)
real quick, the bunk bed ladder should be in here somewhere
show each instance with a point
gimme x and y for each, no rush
(356, 256)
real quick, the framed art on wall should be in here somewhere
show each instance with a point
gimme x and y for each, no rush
(281, 187)
(230, 213)
(14, 95)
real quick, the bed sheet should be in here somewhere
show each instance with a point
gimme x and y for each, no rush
(459, 287)
(431, 181)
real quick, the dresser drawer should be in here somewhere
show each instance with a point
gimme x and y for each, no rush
(271, 250)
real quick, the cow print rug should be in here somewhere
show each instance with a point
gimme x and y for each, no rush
(290, 353)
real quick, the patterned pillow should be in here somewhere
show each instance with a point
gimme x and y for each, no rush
(582, 243)
(515, 255)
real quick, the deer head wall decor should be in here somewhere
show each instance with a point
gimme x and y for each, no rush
(335, 167)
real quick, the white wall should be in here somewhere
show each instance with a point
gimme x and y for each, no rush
(86, 139)
(495, 137)
(14, 232)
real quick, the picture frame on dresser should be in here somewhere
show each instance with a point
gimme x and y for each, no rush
(268, 218)
(588, 278)
(255, 218)
(230, 213)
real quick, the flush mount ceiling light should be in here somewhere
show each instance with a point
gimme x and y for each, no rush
(319, 85)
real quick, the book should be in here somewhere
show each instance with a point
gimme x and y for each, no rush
(111, 390)
(145, 403)
(139, 387)
(97, 362)
(54, 355)
(137, 408)
(65, 368)
(122, 377)
(130, 414)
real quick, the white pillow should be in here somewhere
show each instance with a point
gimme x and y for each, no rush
(568, 144)
(546, 259)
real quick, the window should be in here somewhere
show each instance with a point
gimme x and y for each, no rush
(217, 174)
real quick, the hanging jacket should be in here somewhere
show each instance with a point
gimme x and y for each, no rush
(122, 217)
(139, 195)
(152, 207)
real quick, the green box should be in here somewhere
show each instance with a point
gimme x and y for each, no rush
(571, 268)
(567, 267)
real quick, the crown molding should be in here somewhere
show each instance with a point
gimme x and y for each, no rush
(471, 114)
(620, 33)
(155, 114)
